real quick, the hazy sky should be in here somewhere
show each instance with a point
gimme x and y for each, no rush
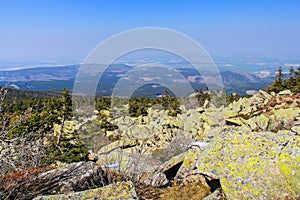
(55, 30)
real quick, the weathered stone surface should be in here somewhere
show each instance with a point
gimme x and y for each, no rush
(174, 161)
(157, 179)
(199, 145)
(122, 144)
(267, 113)
(115, 135)
(128, 161)
(262, 122)
(296, 129)
(287, 115)
(264, 94)
(235, 121)
(218, 194)
(75, 176)
(188, 164)
(175, 122)
(165, 172)
(252, 165)
(71, 177)
(285, 92)
(120, 190)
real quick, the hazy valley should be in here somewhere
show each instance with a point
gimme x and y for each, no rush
(56, 78)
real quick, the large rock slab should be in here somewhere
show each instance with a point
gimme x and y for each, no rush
(253, 165)
(120, 190)
(165, 172)
(71, 177)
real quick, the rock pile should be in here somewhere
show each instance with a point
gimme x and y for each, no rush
(247, 150)
(255, 154)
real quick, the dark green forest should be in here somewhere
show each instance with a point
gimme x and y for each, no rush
(286, 82)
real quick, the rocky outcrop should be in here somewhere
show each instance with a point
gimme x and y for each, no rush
(250, 161)
(252, 165)
(247, 150)
(264, 112)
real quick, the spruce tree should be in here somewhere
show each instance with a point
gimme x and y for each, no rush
(66, 104)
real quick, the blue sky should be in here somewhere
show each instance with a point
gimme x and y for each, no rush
(58, 30)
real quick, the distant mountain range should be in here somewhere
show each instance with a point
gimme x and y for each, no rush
(56, 78)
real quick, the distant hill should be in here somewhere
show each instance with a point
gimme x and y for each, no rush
(13, 93)
(56, 78)
(40, 74)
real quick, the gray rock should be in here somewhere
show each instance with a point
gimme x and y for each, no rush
(253, 165)
(120, 190)
(157, 179)
(200, 145)
(71, 177)
(264, 94)
(284, 92)
(296, 129)
(218, 194)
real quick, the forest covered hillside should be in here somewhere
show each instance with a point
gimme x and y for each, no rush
(56, 78)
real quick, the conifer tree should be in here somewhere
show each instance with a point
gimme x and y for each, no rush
(292, 83)
(66, 104)
(279, 78)
(292, 71)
